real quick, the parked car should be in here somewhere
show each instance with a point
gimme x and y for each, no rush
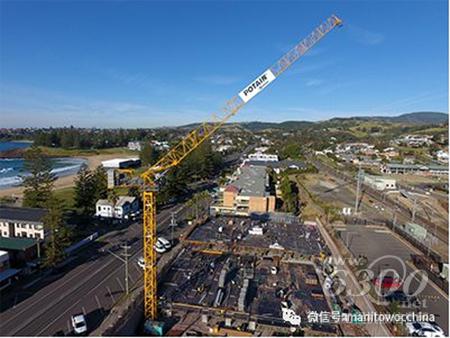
(424, 329)
(159, 248)
(79, 323)
(141, 262)
(164, 242)
(402, 298)
(388, 282)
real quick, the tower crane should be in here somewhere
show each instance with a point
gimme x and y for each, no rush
(196, 137)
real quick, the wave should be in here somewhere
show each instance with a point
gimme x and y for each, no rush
(10, 181)
(6, 170)
(16, 180)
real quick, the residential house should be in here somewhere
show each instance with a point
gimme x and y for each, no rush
(124, 207)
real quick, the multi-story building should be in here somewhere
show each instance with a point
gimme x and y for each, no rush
(246, 193)
(22, 222)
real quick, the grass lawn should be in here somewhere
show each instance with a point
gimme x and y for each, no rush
(67, 196)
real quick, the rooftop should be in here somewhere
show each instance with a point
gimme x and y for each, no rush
(125, 199)
(417, 166)
(22, 214)
(251, 181)
(7, 243)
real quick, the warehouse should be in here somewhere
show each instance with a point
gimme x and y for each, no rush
(380, 183)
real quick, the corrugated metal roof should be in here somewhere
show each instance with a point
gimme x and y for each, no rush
(22, 214)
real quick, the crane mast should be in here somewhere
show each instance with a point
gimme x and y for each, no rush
(196, 137)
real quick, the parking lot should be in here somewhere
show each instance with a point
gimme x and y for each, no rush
(385, 252)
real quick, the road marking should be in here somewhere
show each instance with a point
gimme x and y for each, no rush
(110, 294)
(382, 231)
(120, 284)
(130, 277)
(77, 286)
(98, 303)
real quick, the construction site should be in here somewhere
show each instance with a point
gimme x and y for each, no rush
(251, 271)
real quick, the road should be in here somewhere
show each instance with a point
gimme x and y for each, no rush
(92, 285)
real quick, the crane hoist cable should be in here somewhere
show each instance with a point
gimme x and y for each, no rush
(196, 137)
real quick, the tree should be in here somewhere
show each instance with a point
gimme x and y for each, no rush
(197, 200)
(289, 194)
(134, 191)
(38, 185)
(85, 190)
(112, 196)
(148, 154)
(58, 232)
(99, 183)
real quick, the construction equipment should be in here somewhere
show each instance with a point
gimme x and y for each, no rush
(196, 137)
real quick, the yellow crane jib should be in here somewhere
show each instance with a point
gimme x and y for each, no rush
(196, 137)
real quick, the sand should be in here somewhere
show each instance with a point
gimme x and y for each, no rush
(65, 181)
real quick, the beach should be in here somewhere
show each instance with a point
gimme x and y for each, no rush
(62, 182)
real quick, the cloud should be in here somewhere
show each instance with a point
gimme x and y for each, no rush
(218, 80)
(364, 36)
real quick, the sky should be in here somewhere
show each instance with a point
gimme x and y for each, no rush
(151, 63)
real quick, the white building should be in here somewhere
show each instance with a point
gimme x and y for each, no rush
(22, 222)
(263, 157)
(122, 209)
(135, 145)
(380, 183)
(442, 156)
(121, 163)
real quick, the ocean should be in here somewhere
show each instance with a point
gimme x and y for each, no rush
(11, 169)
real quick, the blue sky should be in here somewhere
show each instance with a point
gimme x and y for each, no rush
(152, 63)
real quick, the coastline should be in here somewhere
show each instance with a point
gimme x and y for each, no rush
(65, 181)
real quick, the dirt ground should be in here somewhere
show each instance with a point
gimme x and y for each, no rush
(65, 181)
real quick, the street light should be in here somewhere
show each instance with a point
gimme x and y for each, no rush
(124, 259)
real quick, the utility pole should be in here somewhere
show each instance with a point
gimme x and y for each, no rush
(358, 188)
(126, 255)
(413, 216)
(172, 225)
(124, 259)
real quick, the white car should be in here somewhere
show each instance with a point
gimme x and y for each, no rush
(164, 242)
(79, 323)
(141, 262)
(424, 329)
(159, 248)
